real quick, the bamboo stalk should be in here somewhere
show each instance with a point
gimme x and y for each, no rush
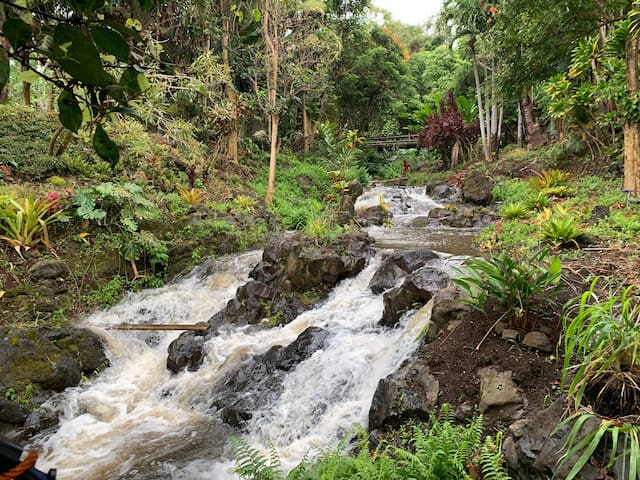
(131, 326)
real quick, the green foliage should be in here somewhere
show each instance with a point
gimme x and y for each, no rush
(112, 204)
(519, 285)
(301, 194)
(549, 179)
(22, 398)
(603, 337)
(512, 190)
(512, 211)
(24, 222)
(137, 244)
(561, 231)
(108, 295)
(244, 203)
(442, 451)
(538, 202)
(625, 444)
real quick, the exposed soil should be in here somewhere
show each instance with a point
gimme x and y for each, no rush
(457, 355)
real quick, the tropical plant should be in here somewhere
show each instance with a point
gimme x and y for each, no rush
(602, 376)
(192, 197)
(341, 150)
(561, 231)
(518, 285)
(112, 204)
(538, 202)
(24, 222)
(512, 211)
(440, 451)
(549, 179)
(245, 203)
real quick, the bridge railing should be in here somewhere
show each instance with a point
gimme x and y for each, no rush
(391, 141)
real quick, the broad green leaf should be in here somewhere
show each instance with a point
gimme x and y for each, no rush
(85, 6)
(78, 56)
(4, 68)
(105, 147)
(69, 111)
(129, 80)
(17, 32)
(110, 41)
(29, 76)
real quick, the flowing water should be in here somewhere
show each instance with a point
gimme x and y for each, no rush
(136, 420)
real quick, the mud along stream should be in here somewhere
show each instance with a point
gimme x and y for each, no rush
(137, 420)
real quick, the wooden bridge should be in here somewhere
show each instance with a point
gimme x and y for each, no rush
(408, 140)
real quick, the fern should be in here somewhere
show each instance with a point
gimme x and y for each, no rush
(251, 464)
(490, 459)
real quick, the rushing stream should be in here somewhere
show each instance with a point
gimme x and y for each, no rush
(136, 420)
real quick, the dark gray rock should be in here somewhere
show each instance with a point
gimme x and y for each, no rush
(258, 381)
(409, 393)
(442, 192)
(12, 412)
(396, 265)
(477, 188)
(48, 269)
(186, 352)
(533, 447)
(447, 306)
(598, 213)
(416, 290)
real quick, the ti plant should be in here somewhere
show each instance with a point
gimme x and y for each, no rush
(24, 222)
(602, 374)
(518, 285)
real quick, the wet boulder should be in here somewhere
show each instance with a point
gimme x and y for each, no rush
(258, 381)
(411, 392)
(35, 362)
(397, 265)
(416, 290)
(447, 306)
(186, 352)
(442, 192)
(477, 188)
(374, 215)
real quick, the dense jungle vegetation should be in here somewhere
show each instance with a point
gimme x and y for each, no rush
(137, 138)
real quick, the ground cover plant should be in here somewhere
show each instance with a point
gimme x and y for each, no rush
(441, 450)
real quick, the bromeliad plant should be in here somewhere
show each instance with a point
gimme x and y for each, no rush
(518, 285)
(602, 338)
(25, 222)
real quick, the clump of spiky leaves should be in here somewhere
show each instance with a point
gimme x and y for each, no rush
(24, 222)
(561, 231)
(549, 179)
(603, 337)
(245, 203)
(191, 196)
(518, 284)
(513, 211)
(538, 202)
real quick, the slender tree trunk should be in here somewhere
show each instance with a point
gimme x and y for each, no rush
(4, 92)
(270, 36)
(26, 86)
(520, 127)
(307, 127)
(536, 138)
(494, 140)
(483, 132)
(229, 90)
(631, 128)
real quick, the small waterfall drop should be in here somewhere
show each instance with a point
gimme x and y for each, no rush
(136, 420)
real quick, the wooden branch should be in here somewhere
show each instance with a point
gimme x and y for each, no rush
(131, 326)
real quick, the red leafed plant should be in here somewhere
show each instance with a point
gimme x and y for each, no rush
(447, 132)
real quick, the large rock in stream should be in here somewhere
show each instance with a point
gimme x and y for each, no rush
(296, 272)
(35, 362)
(258, 381)
(399, 264)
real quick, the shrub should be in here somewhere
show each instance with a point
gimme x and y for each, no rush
(561, 231)
(602, 336)
(517, 285)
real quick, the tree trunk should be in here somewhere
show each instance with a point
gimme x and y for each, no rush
(536, 138)
(520, 127)
(307, 127)
(26, 86)
(494, 139)
(4, 92)
(483, 132)
(270, 36)
(631, 184)
(229, 90)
